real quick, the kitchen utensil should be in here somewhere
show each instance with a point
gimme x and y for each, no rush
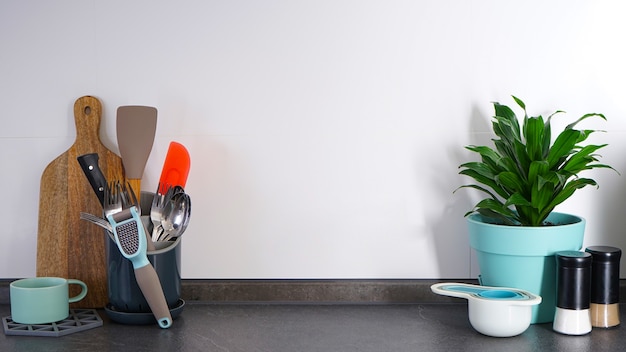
(162, 204)
(156, 210)
(175, 168)
(112, 199)
(176, 216)
(118, 197)
(136, 127)
(130, 199)
(89, 164)
(43, 300)
(67, 246)
(493, 311)
(131, 241)
(97, 221)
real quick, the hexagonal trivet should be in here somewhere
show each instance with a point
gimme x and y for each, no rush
(79, 320)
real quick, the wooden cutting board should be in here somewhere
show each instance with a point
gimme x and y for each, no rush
(67, 246)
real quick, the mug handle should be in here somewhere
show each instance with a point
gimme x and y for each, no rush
(82, 293)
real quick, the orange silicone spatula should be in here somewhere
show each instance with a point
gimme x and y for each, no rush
(175, 168)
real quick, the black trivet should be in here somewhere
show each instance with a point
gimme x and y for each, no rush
(79, 320)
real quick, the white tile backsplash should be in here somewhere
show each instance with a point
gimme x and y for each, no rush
(325, 136)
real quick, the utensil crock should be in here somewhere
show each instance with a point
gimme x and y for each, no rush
(124, 294)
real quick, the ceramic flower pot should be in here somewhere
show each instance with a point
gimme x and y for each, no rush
(523, 257)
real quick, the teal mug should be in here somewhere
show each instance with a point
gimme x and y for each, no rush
(43, 300)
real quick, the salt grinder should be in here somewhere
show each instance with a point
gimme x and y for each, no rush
(573, 286)
(604, 286)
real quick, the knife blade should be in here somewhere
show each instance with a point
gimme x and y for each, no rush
(89, 165)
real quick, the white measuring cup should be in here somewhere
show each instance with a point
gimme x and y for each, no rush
(493, 311)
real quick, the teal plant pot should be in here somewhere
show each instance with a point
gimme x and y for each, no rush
(522, 257)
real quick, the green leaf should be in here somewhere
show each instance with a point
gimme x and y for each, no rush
(503, 149)
(537, 169)
(534, 137)
(547, 134)
(502, 219)
(488, 155)
(562, 147)
(517, 199)
(511, 181)
(567, 192)
(584, 134)
(507, 163)
(541, 196)
(480, 168)
(582, 159)
(519, 102)
(586, 116)
(522, 159)
(485, 181)
(504, 115)
(509, 130)
(478, 188)
(494, 206)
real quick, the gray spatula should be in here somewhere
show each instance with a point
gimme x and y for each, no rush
(136, 127)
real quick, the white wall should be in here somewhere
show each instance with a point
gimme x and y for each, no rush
(325, 135)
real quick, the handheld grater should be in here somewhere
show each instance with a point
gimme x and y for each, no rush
(131, 241)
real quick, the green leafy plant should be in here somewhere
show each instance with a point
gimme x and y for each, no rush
(525, 176)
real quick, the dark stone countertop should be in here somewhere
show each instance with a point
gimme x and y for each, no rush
(313, 315)
(330, 327)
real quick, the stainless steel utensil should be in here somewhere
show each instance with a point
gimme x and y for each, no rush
(105, 224)
(120, 197)
(156, 210)
(129, 198)
(176, 216)
(112, 199)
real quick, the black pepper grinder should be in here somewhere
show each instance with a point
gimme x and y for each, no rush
(604, 286)
(572, 316)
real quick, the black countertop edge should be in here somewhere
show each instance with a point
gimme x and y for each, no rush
(310, 291)
(337, 291)
(303, 291)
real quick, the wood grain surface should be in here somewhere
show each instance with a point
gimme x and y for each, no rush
(67, 246)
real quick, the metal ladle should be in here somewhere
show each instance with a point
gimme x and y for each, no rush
(176, 216)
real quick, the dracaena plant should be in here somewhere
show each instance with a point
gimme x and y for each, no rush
(526, 176)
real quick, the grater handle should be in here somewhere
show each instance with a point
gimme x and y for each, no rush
(150, 286)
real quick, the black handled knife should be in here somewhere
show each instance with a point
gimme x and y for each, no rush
(89, 164)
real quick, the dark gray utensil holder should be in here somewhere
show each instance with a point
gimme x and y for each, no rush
(124, 293)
